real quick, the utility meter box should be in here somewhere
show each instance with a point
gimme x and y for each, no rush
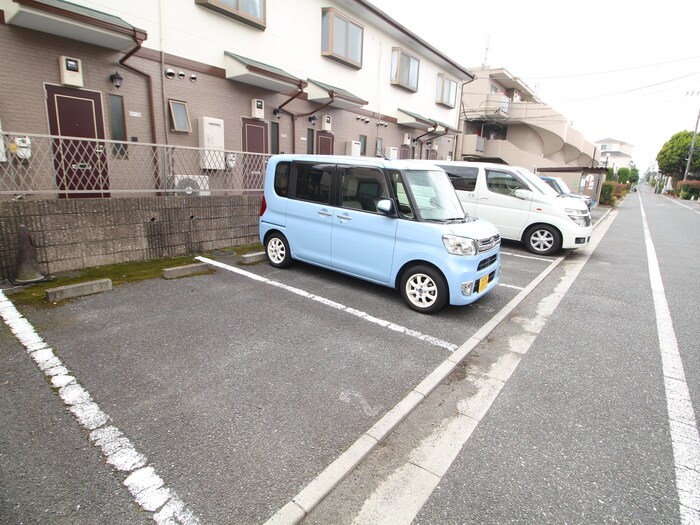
(71, 71)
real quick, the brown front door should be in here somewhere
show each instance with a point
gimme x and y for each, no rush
(324, 143)
(254, 141)
(405, 152)
(79, 164)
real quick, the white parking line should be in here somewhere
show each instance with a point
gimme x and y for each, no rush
(684, 431)
(695, 208)
(531, 257)
(147, 488)
(358, 313)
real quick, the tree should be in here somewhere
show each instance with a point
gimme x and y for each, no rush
(673, 157)
(623, 175)
(634, 176)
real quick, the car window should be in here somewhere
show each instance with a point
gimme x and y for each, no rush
(314, 182)
(462, 177)
(362, 187)
(405, 209)
(503, 182)
(282, 179)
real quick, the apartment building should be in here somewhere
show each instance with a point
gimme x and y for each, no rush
(261, 76)
(503, 120)
(615, 154)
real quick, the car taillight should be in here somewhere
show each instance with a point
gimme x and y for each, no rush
(263, 206)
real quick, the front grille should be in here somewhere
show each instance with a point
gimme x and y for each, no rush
(489, 243)
(486, 262)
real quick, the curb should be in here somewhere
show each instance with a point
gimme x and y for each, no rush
(76, 290)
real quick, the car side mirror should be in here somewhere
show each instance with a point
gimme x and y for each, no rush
(386, 206)
(522, 194)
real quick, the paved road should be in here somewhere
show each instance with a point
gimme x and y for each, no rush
(562, 416)
(221, 398)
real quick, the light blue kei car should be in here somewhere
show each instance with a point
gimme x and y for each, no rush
(390, 222)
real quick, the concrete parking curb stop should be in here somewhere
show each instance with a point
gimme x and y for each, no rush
(77, 290)
(185, 271)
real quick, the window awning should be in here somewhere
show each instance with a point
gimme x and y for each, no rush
(249, 71)
(446, 127)
(413, 120)
(67, 20)
(333, 96)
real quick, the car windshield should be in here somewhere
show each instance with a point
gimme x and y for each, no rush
(536, 182)
(434, 195)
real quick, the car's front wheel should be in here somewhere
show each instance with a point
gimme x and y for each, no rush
(277, 250)
(424, 289)
(543, 239)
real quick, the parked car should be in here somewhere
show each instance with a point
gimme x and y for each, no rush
(521, 205)
(558, 185)
(388, 222)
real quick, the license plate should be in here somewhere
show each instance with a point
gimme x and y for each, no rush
(483, 283)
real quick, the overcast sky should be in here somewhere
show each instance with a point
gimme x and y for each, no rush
(614, 69)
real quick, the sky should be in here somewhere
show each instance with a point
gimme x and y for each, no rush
(614, 69)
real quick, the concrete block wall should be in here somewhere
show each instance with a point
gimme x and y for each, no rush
(71, 234)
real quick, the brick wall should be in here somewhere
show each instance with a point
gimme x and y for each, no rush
(71, 234)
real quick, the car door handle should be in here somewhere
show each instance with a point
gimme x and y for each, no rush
(325, 213)
(345, 217)
(483, 198)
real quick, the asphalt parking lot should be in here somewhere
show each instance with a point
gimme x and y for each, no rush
(238, 388)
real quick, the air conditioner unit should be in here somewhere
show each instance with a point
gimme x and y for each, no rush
(188, 185)
(326, 123)
(257, 108)
(407, 139)
(391, 152)
(353, 147)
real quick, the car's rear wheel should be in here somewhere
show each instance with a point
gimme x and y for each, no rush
(543, 239)
(424, 289)
(277, 250)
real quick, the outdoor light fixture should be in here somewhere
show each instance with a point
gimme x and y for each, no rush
(116, 79)
(277, 112)
(313, 120)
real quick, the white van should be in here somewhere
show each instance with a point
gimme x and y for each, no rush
(521, 205)
(387, 222)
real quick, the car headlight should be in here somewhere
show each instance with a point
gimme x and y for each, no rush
(459, 245)
(578, 216)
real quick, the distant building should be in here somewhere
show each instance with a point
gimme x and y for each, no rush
(503, 120)
(613, 153)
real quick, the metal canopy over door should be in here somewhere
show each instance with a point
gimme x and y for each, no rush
(79, 164)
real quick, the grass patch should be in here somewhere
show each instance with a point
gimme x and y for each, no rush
(130, 272)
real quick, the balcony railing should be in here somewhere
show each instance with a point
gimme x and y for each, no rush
(52, 166)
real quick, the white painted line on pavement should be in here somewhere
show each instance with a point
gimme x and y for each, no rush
(358, 313)
(694, 209)
(147, 488)
(684, 431)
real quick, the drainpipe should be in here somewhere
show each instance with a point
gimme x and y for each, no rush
(149, 83)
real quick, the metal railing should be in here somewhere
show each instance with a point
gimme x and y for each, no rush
(53, 166)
